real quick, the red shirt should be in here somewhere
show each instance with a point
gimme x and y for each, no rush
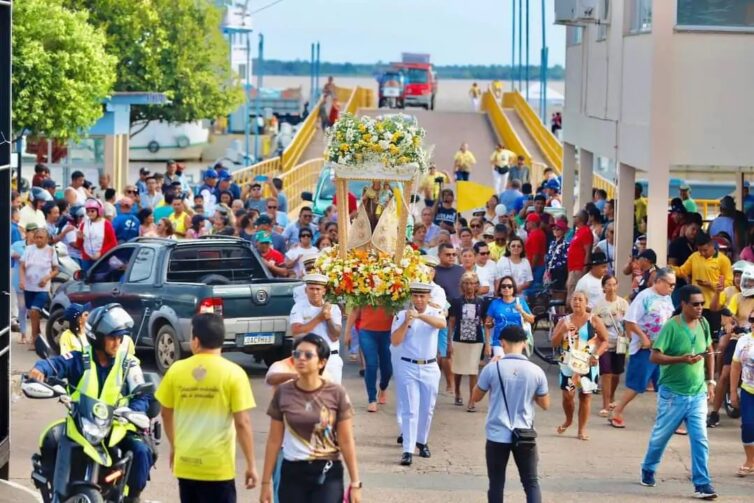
(275, 256)
(376, 319)
(352, 202)
(536, 244)
(577, 249)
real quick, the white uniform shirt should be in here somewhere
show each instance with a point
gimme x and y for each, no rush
(303, 253)
(592, 285)
(420, 342)
(299, 294)
(303, 312)
(439, 299)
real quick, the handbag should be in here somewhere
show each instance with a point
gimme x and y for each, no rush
(502, 170)
(527, 328)
(621, 346)
(519, 436)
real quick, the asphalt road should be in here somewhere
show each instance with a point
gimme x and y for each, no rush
(606, 468)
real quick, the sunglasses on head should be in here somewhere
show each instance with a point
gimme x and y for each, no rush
(308, 355)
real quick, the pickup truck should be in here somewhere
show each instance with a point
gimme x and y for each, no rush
(163, 283)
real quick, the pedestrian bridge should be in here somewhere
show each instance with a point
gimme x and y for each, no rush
(509, 120)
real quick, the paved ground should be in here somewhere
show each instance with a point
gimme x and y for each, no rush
(605, 468)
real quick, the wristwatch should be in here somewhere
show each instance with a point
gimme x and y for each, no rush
(712, 382)
(357, 485)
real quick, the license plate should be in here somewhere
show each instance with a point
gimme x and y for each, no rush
(254, 339)
(391, 92)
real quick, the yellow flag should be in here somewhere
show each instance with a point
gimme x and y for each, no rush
(472, 195)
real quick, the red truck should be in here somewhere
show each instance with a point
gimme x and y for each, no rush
(421, 80)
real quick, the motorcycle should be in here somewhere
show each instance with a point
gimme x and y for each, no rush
(391, 90)
(67, 269)
(79, 460)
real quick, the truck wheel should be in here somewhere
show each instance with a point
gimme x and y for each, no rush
(56, 325)
(86, 495)
(432, 104)
(153, 147)
(167, 348)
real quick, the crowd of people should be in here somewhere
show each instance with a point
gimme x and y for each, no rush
(684, 332)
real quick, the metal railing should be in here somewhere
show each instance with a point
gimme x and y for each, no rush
(302, 177)
(547, 142)
(503, 127)
(269, 167)
(303, 138)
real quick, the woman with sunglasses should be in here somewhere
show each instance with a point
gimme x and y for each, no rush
(579, 331)
(467, 338)
(505, 310)
(515, 264)
(476, 225)
(311, 419)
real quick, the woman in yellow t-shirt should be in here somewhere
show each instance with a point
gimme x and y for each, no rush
(74, 338)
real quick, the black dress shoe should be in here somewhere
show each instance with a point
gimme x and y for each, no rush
(423, 450)
(406, 459)
(400, 439)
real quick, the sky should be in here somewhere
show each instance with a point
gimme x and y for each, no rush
(367, 31)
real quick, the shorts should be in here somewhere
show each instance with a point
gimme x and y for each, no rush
(199, 491)
(641, 371)
(36, 300)
(442, 342)
(729, 350)
(612, 363)
(714, 318)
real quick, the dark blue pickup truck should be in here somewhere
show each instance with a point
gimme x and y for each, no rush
(162, 283)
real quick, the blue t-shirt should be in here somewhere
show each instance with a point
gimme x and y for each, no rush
(126, 227)
(504, 314)
(523, 381)
(519, 204)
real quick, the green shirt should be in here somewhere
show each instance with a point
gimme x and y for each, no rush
(677, 339)
(690, 206)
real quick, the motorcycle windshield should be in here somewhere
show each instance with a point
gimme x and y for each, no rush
(95, 411)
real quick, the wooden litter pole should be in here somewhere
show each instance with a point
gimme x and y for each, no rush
(341, 188)
(400, 243)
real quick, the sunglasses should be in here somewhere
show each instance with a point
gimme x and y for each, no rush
(697, 304)
(307, 355)
(130, 192)
(272, 207)
(514, 246)
(484, 253)
(451, 254)
(506, 285)
(307, 216)
(305, 236)
(475, 226)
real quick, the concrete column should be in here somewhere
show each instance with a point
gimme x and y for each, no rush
(658, 179)
(569, 178)
(624, 224)
(586, 172)
(739, 195)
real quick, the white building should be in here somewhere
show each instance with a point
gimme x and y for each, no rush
(654, 86)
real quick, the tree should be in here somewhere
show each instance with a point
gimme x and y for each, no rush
(169, 46)
(61, 71)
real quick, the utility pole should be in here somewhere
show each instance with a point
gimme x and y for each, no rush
(316, 74)
(258, 111)
(513, 44)
(520, 42)
(543, 69)
(527, 51)
(311, 79)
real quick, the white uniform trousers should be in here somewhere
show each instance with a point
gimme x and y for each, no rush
(500, 182)
(334, 368)
(395, 359)
(417, 392)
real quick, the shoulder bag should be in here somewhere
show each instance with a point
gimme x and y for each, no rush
(527, 328)
(621, 346)
(577, 360)
(519, 436)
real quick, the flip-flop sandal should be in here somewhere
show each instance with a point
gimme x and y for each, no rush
(372, 407)
(616, 422)
(604, 413)
(583, 436)
(743, 471)
(681, 431)
(612, 406)
(459, 401)
(471, 408)
(562, 429)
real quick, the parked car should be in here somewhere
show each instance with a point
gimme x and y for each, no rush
(164, 283)
(421, 80)
(324, 191)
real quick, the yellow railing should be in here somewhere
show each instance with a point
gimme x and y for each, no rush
(505, 131)
(599, 182)
(361, 97)
(300, 142)
(548, 143)
(269, 167)
(302, 177)
(537, 174)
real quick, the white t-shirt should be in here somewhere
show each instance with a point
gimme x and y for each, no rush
(38, 263)
(420, 342)
(744, 354)
(29, 215)
(520, 272)
(303, 312)
(487, 276)
(438, 298)
(299, 251)
(592, 285)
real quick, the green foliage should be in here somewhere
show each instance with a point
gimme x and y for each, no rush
(481, 72)
(169, 46)
(61, 71)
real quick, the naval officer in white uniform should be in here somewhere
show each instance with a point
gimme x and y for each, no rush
(299, 292)
(314, 315)
(414, 332)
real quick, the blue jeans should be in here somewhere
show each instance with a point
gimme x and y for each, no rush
(672, 410)
(375, 346)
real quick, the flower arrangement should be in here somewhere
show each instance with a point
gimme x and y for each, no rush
(371, 278)
(391, 141)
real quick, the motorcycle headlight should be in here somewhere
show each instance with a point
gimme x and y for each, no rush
(93, 432)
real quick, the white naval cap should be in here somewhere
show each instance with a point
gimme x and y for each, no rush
(315, 279)
(418, 287)
(430, 260)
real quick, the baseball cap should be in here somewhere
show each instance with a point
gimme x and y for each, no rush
(143, 171)
(48, 184)
(552, 184)
(561, 224)
(263, 220)
(488, 231)
(478, 211)
(224, 175)
(676, 206)
(263, 237)
(533, 217)
(210, 173)
(649, 254)
(500, 210)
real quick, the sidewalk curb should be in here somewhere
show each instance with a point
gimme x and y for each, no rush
(18, 488)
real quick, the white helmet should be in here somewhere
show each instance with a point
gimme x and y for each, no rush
(747, 281)
(740, 266)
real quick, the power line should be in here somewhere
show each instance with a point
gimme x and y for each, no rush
(266, 6)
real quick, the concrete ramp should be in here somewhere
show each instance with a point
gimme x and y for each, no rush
(447, 130)
(524, 135)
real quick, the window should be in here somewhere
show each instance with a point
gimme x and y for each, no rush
(141, 270)
(574, 35)
(604, 20)
(417, 76)
(111, 268)
(640, 18)
(242, 71)
(736, 14)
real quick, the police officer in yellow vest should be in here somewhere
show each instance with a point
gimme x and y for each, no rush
(104, 361)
